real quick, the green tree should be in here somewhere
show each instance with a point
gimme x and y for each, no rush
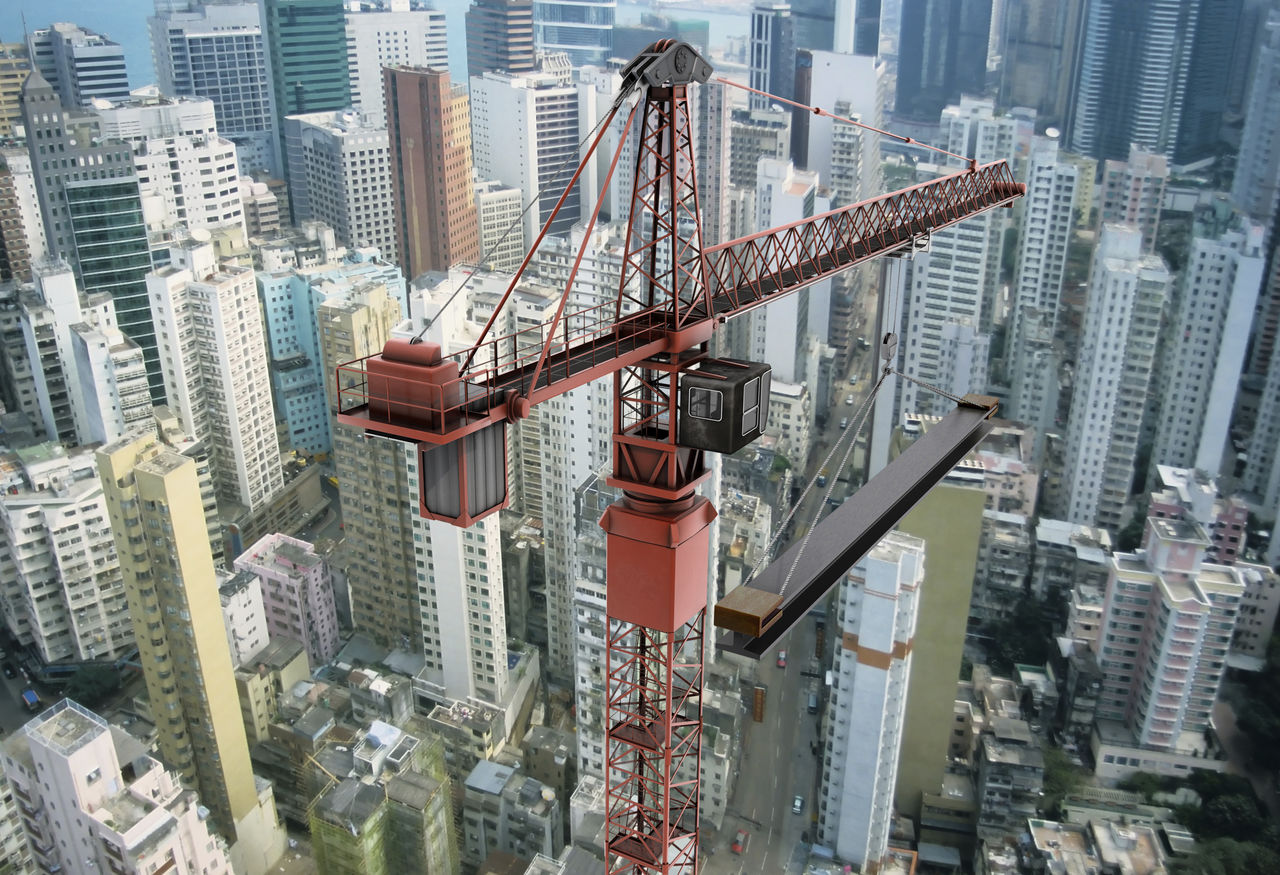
(1235, 817)
(92, 685)
(1227, 857)
(1061, 777)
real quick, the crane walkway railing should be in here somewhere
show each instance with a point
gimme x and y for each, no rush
(741, 274)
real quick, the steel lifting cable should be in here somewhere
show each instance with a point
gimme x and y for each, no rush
(819, 111)
(626, 92)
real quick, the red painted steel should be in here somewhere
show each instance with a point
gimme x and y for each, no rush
(739, 275)
(654, 747)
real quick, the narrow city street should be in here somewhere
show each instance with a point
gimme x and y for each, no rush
(778, 762)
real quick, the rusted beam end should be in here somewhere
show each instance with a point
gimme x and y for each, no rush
(748, 611)
(982, 402)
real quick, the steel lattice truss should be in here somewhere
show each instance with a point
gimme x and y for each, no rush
(655, 745)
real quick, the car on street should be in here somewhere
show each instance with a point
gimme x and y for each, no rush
(739, 842)
(853, 379)
(848, 400)
(782, 659)
(797, 805)
(844, 422)
(9, 671)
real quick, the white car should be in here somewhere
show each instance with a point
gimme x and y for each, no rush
(848, 400)
(844, 422)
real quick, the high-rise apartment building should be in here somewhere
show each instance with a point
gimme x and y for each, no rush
(291, 299)
(581, 29)
(429, 137)
(1131, 76)
(180, 159)
(711, 141)
(215, 368)
(498, 211)
(391, 35)
(1166, 629)
(1047, 226)
(21, 225)
(340, 174)
(500, 37)
(1207, 336)
(14, 67)
(215, 50)
(1114, 371)
(876, 626)
(1132, 192)
(80, 65)
(1191, 494)
(172, 590)
(1256, 186)
(60, 586)
(307, 68)
(94, 800)
(297, 593)
(524, 133)
(92, 208)
(772, 50)
(942, 54)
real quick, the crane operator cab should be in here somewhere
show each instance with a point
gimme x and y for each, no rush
(724, 404)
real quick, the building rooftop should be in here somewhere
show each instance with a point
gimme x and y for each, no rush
(489, 777)
(1134, 850)
(66, 727)
(1012, 754)
(350, 803)
(277, 654)
(1067, 845)
(412, 789)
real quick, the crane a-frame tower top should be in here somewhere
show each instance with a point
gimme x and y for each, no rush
(672, 404)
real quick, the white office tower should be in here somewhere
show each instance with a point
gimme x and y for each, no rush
(1256, 187)
(45, 317)
(1125, 300)
(464, 624)
(340, 174)
(80, 65)
(1035, 385)
(112, 376)
(1047, 217)
(711, 145)
(187, 173)
(390, 34)
(524, 133)
(590, 644)
(94, 800)
(498, 209)
(851, 86)
(876, 619)
(962, 359)
(214, 50)
(973, 129)
(598, 89)
(779, 332)
(214, 358)
(1204, 355)
(60, 586)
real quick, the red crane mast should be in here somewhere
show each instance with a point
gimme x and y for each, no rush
(672, 295)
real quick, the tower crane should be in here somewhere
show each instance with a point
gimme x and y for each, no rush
(672, 404)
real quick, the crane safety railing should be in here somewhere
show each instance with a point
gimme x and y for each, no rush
(742, 274)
